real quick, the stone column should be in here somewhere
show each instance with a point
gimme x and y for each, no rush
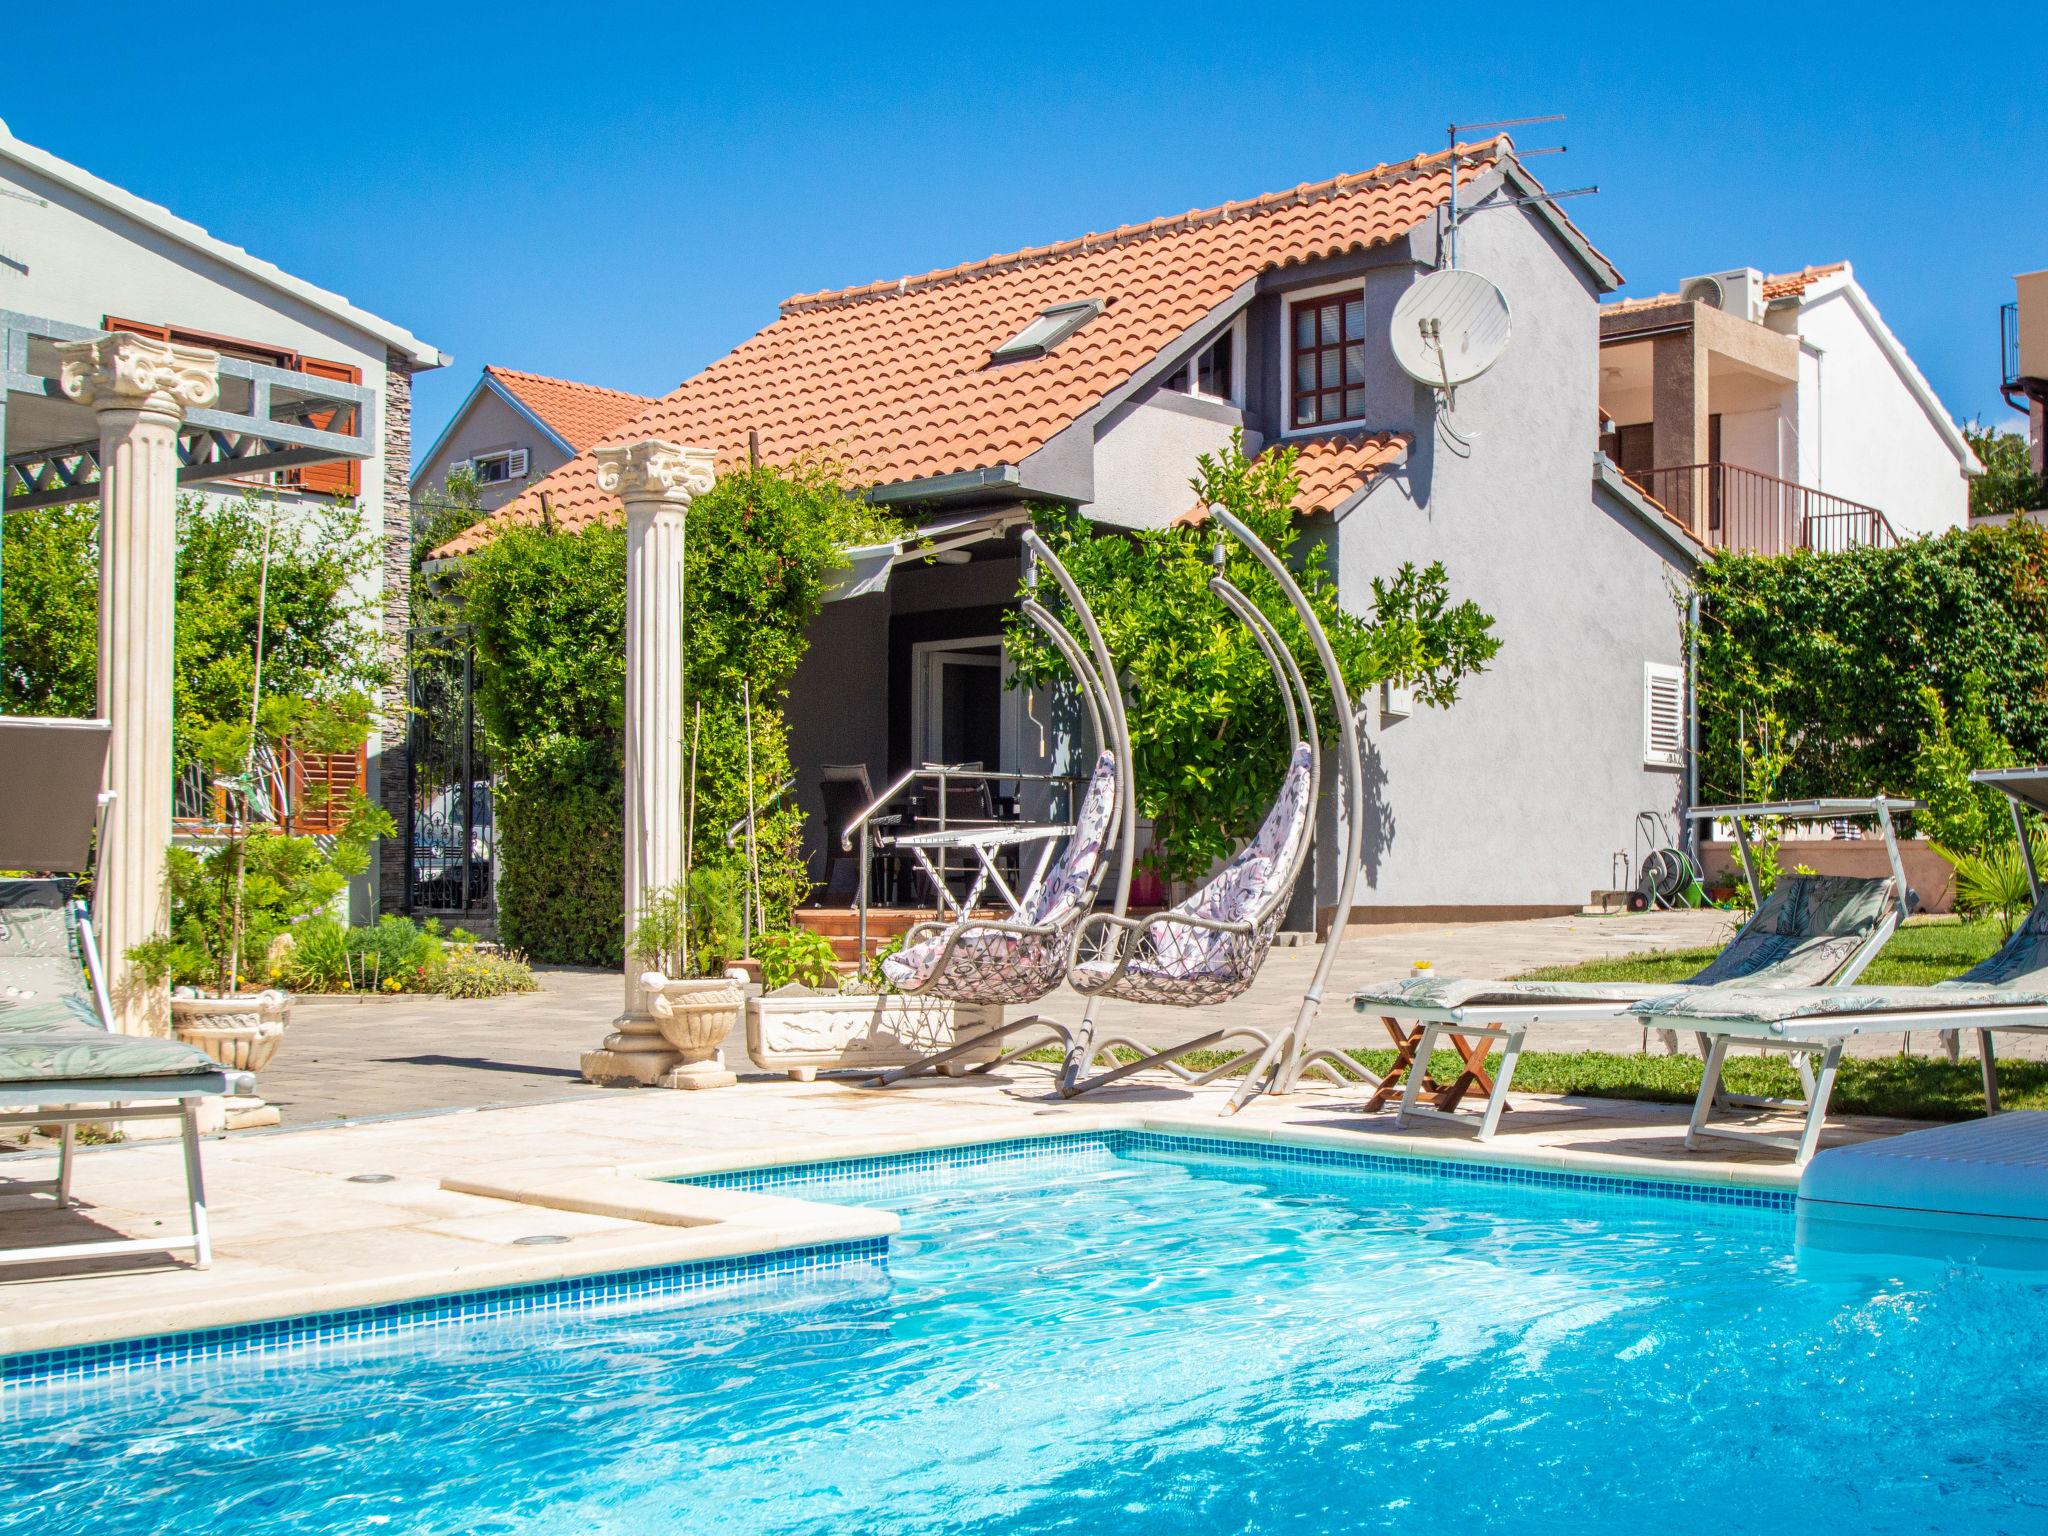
(656, 481)
(139, 388)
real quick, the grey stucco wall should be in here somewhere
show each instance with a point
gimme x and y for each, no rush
(855, 677)
(1522, 792)
(838, 709)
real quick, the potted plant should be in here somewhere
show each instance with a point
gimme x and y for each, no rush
(858, 1021)
(682, 929)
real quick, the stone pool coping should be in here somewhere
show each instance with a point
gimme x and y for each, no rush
(638, 1221)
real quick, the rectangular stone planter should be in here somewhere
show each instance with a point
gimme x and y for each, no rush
(802, 1035)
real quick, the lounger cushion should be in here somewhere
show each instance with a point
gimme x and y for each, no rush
(1740, 1005)
(2015, 977)
(989, 966)
(1805, 932)
(1464, 992)
(46, 1042)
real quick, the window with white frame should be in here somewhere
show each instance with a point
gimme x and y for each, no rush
(1211, 372)
(497, 468)
(1663, 715)
(1326, 359)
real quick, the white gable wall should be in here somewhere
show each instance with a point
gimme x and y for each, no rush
(1864, 433)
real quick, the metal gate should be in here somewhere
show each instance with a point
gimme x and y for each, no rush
(450, 832)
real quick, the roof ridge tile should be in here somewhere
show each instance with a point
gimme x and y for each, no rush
(1385, 173)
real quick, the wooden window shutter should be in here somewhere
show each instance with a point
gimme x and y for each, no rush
(1663, 716)
(135, 327)
(344, 477)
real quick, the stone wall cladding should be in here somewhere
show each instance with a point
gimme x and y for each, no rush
(392, 760)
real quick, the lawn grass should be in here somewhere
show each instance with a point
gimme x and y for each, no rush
(1918, 954)
(1908, 1087)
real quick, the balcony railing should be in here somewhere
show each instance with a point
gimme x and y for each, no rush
(1746, 510)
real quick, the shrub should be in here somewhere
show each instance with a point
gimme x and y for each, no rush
(795, 955)
(401, 950)
(1842, 645)
(471, 972)
(318, 958)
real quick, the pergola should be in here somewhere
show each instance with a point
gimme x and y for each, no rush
(134, 418)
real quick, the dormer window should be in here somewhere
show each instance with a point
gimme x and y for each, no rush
(1211, 372)
(1326, 359)
(1053, 326)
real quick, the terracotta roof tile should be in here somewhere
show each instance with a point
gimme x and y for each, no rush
(894, 378)
(1784, 285)
(1331, 470)
(1788, 285)
(580, 413)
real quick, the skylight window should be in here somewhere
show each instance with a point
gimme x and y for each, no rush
(1053, 326)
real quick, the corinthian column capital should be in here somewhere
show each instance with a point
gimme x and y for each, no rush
(652, 470)
(125, 371)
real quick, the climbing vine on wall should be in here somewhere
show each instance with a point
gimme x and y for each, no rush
(548, 611)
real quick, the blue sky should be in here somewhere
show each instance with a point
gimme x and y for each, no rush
(618, 194)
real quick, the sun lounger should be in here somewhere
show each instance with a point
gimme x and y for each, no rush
(2009, 991)
(61, 1060)
(1812, 929)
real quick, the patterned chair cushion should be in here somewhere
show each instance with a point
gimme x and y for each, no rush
(1211, 966)
(61, 1040)
(987, 966)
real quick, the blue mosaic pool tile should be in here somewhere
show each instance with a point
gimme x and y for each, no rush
(577, 1293)
(1066, 1146)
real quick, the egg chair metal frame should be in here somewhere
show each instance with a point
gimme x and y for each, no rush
(1209, 948)
(969, 959)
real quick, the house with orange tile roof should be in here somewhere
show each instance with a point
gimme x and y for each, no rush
(515, 428)
(1090, 373)
(1771, 413)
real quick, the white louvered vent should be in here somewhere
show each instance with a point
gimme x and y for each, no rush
(1663, 715)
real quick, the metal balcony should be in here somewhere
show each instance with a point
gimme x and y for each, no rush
(1745, 510)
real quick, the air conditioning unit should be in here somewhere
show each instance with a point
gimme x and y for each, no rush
(1739, 292)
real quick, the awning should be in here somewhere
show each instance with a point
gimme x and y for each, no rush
(868, 565)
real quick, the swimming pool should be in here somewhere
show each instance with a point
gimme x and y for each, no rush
(1132, 1333)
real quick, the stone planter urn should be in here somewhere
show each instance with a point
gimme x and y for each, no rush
(694, 1018)
(240, 1032)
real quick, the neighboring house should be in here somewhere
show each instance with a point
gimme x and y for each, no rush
(1776, 413)
(80, 255)
(2023, 378)
(1092, 372)
(514, 428)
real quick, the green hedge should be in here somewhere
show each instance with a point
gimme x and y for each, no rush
(1838, 647)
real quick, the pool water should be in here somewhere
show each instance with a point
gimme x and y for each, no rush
(1109, 1335)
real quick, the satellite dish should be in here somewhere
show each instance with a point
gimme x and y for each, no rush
(1450, 328)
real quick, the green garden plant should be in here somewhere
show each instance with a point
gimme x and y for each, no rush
(1842, 645)
(795, 955)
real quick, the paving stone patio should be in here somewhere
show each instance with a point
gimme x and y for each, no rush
(346, 1060)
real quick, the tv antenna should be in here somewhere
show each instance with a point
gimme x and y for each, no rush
(1454, 134)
